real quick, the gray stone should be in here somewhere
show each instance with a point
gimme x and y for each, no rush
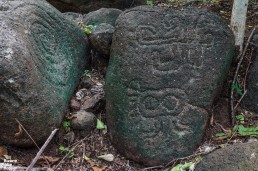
(103, 15)
(93, 103)
(72, 16)
(237, 157)
(100, 38)
(166, 68)
(250, 101)
(85, 121)
(42, 56)
(85, 6)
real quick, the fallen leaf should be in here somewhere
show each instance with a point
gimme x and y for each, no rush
(7, 157)
(98, 168)
(50, 159)
(19, 134)
(107, 157)
(3, 151)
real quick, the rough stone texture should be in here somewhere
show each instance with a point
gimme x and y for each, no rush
(103, 15)
(72, 16)
(83, 120)
(236, 157)
(85, 6)
(42, 56)
(100, 38)
(250, 101)
(166, 68)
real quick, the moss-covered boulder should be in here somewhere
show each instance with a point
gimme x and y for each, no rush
(166, 69)
(42, 56)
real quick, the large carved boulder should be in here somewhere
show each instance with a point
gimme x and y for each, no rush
(42, 56)
(250, 101)
(166, 69)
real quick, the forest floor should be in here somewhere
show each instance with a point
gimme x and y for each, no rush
(81, 152)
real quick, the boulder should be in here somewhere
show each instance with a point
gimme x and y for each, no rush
(250, 101)
(237, 157)
(166, 68)
(100, 38)
(42, 56)
(72, 15)
(103, 15)
(85, 6)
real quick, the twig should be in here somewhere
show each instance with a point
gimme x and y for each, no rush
(75, 145)
(154, 167)
(241, 56)
(41, 150)
(238, 102)
(27, 133)
(31, 139)
(247, 69)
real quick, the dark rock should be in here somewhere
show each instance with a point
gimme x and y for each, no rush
(85, 6)
(86, 82)
(72, 16)
(103, 15)
(85, 121)
(75, 104)
(250, 101)
(237, 157)
(166, 69)
(42, 56)
(94, 103)
(101, 38)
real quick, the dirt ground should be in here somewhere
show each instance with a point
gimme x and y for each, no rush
(82, 151)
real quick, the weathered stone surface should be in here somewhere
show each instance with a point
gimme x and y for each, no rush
(42, 56)
(236, 157)
(250, 101)
(103, 15)
(85, 6)
(100, 38)
(83, 120)
(166, 68)
(72, 16)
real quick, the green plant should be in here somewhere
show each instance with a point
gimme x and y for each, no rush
(100, 124)
(66, 124)
(182, 167)
(86, 73)
(240, 117)
(66, 150)
(149, 2)
(238, 89)
(246, 131)
(88, 29)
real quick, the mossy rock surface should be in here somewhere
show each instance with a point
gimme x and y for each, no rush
(42, 56)
(166, 68)
(238, 157)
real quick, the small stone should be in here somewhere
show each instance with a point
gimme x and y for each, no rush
(86, 83)
(84, 121)
(75, 104)
(93, 103)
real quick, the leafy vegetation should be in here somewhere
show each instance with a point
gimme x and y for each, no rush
(88, 29)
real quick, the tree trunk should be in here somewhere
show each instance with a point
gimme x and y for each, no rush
(238, 19)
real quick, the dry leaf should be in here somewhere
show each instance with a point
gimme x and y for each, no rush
(19, 134)
(98, 168)
(7, 157)
(3, 151)
(50, 159)
(107, 157)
